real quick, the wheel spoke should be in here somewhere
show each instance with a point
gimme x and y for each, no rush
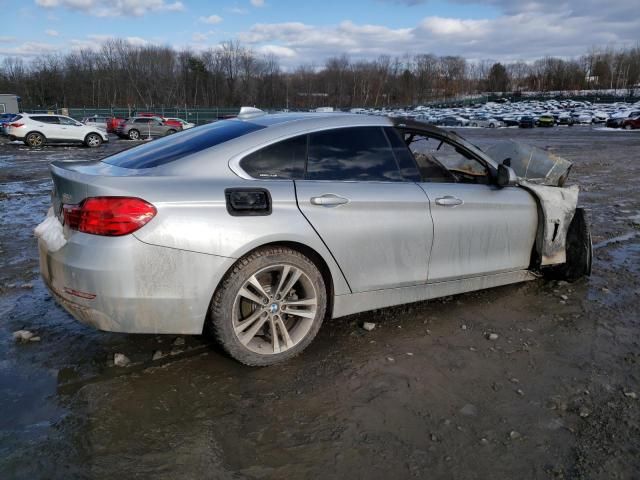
(305, 302)
(290, 283)
(285, 333)
(256, 284)
(242, 326)
(246, 338)
(302, 313)
(250, 296)
(275, 341)
(285, 273)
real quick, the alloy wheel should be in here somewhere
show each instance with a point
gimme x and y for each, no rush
(274, 309)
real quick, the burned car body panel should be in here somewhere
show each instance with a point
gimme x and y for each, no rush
(531, 163)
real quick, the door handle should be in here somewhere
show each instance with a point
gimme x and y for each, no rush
(329, 200)
(449, 201)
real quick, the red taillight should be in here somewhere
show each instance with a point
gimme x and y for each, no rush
(109, 216)
(16, 124)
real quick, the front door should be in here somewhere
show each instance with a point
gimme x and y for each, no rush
(479, 228)
(375, 223)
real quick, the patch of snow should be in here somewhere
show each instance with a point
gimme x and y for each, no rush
(50, 232)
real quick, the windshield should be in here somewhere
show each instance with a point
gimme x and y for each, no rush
(179, 145)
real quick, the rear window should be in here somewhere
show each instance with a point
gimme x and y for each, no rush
(46, 119)
(281, 160)
(179, 145)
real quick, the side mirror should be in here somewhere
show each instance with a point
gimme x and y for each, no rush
(506, 176)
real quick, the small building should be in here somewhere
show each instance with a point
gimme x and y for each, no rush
(9, 103)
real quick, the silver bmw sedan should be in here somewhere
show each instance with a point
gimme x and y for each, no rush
(258, 228)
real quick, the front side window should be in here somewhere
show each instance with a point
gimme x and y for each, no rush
(282, 160)
(442, 162)
(67, 121)
(359, 153)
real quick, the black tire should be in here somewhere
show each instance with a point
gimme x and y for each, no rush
(474, 124)
(93, 140)
(35, 139)
(171, 131)
(226, 301)
(579, 251)
(133, 134)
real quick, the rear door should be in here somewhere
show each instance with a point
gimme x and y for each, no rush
(49, 125)
(479, 228)
(374, 220)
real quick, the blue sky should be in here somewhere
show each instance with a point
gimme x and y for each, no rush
(309, 31)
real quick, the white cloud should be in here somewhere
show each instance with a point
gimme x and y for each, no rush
(211, 19)
(525, 34)
(277, 50)
(257, 3)
(199, 37)
(237, 10)
(28, 49)
(51, 33)
(114, 8)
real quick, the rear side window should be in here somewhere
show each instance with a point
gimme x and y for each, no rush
(181, 144)
(46, 119)
(359, 153)
(281, 160)
(405, 160)
(142, 120)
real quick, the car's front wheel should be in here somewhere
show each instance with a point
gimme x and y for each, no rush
(35, 139)
(628, 126)
(171, 131)
(93, 140)
(269, 307)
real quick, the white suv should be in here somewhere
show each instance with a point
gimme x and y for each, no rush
(37, 129)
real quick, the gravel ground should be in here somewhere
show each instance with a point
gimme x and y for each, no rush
(424, 394)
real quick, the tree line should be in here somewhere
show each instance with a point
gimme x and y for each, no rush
(121, 74)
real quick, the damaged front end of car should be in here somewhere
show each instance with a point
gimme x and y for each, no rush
(563, 243)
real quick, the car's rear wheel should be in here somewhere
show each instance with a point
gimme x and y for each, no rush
(133, 134)
(35, 139)
(93, 140)
(269, 307)
(171, 131)
(474, 124)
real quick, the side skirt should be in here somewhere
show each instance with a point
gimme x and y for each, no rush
(364, 301)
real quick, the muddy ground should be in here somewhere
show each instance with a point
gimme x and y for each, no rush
(424, 395)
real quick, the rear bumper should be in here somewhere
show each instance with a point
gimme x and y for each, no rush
(121, 284)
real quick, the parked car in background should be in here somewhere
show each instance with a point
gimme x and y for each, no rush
(526, 122)
(631, 123)
(113, 123)
(5, 118)
(511, 121)
(257, 230)
(618, 120)
(35, 130)
(174, 122)
(546, 121)
(95, 121)
(486, 122)
(565, 119)
(137, 128)
(453, 121)
(185, 125)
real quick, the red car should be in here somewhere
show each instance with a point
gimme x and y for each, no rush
(113, 123)
(631, 123)
(173, 123)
